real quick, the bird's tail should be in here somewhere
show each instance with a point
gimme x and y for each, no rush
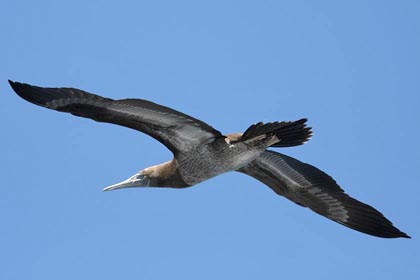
(292, 133)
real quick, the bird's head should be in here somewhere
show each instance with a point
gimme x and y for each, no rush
(140, 179)
(161, 175)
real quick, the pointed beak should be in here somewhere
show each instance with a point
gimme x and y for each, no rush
(137, 180)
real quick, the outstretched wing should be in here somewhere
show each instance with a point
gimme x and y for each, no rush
(177, 131)
(310, 187)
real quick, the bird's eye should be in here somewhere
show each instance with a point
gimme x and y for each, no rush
(140, 177)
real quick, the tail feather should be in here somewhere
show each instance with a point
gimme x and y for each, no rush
(291, 133)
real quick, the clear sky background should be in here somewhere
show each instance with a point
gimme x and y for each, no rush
(352, 68)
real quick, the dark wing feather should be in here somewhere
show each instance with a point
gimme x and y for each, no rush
(176, 130)
(310, 187)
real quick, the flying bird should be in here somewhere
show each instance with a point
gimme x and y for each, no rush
(202, 152)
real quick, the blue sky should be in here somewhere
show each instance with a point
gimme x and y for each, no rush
(352, 68)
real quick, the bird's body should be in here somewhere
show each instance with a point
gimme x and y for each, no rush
(218, 157)
(202, 152)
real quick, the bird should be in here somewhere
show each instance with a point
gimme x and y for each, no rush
(201, 152)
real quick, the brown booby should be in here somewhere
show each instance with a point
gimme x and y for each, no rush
(202, 152)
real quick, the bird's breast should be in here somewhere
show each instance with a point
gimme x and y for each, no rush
(209, 161)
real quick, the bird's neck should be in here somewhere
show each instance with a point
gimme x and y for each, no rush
(166, 175)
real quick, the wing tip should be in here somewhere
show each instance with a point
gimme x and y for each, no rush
(30, 93)
(394, 233)
(16, 85)
(13, 84)
(404, 235)
(398, 234)
(19, 89)
(379, 227)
